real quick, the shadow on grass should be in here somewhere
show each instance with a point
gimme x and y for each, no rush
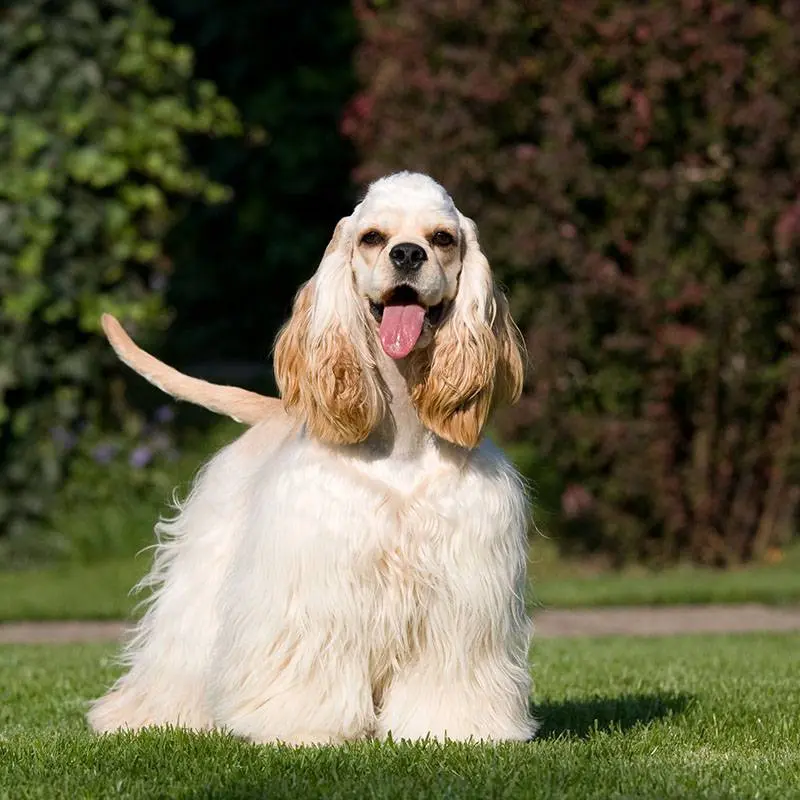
(582, 717)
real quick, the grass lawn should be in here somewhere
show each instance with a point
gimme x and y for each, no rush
(101, 590)
(72, 591)
(647, 718)
(569, 585)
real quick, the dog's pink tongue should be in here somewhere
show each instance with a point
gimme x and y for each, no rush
(400, 329)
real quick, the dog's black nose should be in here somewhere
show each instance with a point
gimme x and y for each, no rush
(408, 257)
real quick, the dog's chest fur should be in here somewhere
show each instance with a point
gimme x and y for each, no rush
(409, 543)
(399, 550)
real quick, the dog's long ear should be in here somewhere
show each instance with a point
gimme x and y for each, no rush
(477, 358)
(324, 364)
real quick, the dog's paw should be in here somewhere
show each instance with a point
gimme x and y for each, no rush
(125, 711)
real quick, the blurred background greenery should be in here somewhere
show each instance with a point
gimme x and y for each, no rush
(633, 169)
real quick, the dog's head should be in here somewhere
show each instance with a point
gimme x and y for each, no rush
(404, 273)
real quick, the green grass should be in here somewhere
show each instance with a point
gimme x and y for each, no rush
(72, 591)
(647, 718)
(102, 590)
(563, 584)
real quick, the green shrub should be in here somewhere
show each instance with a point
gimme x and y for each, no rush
(634, 172)
(109, 503)
(95, 103)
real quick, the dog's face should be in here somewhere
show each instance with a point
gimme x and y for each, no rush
(407, 256)
(404, 273)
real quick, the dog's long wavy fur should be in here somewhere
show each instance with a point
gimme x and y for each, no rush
(353, 565)
(241, 405)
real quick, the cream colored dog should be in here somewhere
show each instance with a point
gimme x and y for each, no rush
(354, 564)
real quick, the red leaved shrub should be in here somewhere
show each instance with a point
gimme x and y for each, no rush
(635, 173)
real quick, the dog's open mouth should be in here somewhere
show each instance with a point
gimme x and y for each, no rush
(401, 317)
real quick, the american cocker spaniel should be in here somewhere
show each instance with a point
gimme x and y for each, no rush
(353, 565)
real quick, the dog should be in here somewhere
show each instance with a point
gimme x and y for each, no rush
(353, 566)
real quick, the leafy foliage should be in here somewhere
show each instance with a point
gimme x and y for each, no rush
(633, 169)
(94, 107)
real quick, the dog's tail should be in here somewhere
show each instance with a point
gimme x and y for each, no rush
(240, 404)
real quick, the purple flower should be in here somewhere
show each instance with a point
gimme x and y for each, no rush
(62, 437)
(141, 457)
(164, 414)
(104, 453)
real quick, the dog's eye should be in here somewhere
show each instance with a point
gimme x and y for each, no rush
(442, 239)
(373, 238)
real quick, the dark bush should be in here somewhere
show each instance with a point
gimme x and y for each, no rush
(635, 172)
(94, 104)
(288, 70)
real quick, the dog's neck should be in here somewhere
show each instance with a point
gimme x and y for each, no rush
(401, 434)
